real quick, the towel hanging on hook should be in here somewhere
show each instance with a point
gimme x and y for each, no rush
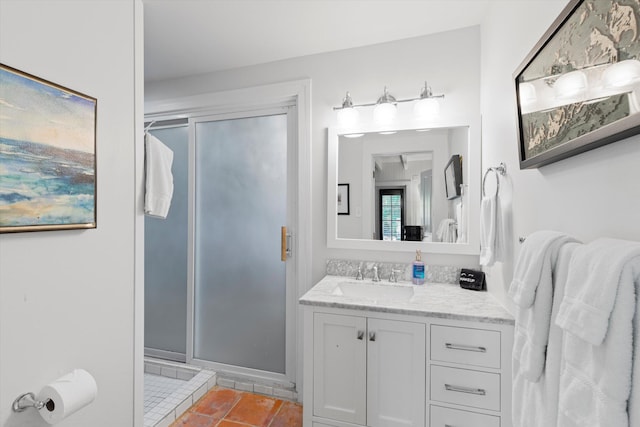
(158, 177)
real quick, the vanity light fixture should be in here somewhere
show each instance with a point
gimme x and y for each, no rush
(385, 111)
(570, 85)
(622, 74)
(427, 106)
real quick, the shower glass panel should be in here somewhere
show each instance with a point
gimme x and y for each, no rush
(165, 260)
(240, 207)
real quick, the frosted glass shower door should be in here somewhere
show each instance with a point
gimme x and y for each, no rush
(165, 260)
(240, 299)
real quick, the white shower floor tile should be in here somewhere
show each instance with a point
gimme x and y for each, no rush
(158, 388)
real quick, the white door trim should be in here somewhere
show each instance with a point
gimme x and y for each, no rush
(257, 97)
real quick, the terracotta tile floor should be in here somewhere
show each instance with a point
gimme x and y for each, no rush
(222, 407)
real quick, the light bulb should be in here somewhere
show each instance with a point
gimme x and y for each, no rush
(348, 117)
(622, 74)
(570, 85)
(426, 108)
(384, 113)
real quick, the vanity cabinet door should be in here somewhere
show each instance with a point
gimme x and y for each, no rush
(339, 367)
(396, 373)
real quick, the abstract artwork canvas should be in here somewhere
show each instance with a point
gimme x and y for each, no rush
(47, 155)
(343, 199)
(579, 88)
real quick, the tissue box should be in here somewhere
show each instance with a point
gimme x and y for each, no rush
(472, 279)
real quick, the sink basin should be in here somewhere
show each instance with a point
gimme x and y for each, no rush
(374, 291)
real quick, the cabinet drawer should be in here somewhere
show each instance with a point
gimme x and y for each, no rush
(465, 387)
(476, 347)
(447, 417)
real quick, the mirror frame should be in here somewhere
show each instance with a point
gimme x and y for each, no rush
(472, 159)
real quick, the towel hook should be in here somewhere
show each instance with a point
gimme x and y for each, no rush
(151, 123)
(501, 169)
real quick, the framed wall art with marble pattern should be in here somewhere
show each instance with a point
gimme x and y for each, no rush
(579, 88)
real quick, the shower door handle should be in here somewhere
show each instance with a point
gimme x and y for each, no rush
(285, 244)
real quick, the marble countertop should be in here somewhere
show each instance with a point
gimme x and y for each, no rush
(439, 300)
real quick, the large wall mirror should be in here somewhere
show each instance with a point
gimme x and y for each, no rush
(410, 188)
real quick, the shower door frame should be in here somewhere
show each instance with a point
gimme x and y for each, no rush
(297, 93)
(287, 379)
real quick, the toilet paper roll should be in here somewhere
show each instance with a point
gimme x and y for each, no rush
(67, 395)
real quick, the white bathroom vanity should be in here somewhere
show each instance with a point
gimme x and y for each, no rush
(383, 354)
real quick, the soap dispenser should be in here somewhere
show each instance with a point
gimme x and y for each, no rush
(418, 269)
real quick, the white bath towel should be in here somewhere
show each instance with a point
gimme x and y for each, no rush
(535, 404)
(488, 226)
(633, 406)
(159, 179)
(533, 265)
(532, 292)
(597, 318)
(591, 290)
(447, 231)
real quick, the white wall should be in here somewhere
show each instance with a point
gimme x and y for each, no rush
(449, 61)
(67, 297)
(595, 194)
(350, 171)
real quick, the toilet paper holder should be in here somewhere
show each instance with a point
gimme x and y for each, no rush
(28, 400)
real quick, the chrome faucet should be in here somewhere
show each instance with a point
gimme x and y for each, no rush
(359, 275)
(393, 277)
(375, 278)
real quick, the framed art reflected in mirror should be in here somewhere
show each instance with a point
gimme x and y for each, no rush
(453, 177)
(343, 199)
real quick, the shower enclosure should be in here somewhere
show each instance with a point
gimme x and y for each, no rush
(218, 287)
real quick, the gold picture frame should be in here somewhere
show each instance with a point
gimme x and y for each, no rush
(47, 155)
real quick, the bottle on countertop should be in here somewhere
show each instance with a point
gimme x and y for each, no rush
(418, 269)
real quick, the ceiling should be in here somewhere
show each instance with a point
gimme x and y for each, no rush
(187, 37)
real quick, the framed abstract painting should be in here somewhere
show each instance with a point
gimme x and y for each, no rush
(579, 88)
(343, 199)
(47, 155)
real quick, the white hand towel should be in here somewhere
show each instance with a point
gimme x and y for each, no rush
(159, 179)
(532, 292)
(488, 225)
(597, 317)
(596, 270)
